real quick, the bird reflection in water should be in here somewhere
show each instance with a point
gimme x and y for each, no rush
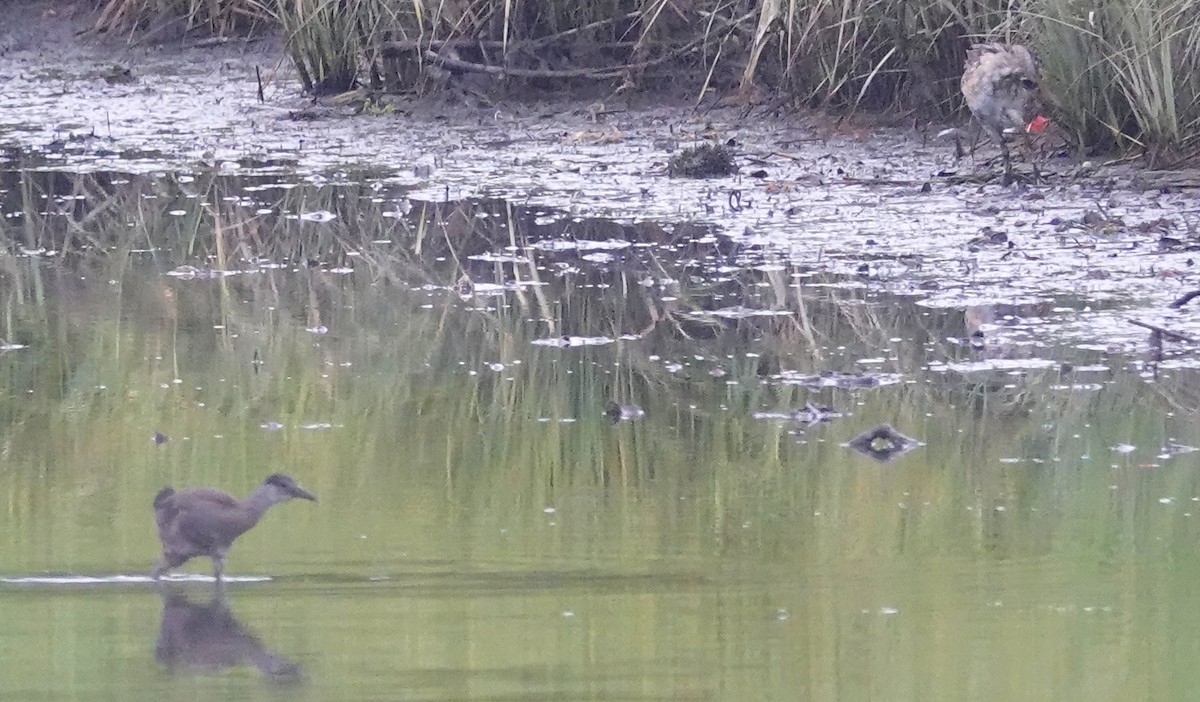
(208, 638)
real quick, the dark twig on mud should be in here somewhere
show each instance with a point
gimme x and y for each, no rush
(1165, 332)
(593, 73)
(1185, 299)
(879, 182)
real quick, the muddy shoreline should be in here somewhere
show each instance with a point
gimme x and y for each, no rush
(887, 207)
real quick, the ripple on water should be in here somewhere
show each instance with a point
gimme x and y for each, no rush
(124, 579)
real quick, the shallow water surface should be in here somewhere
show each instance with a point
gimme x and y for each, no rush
(564, 458)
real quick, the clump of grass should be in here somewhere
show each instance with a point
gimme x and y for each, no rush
(867, 53)
(704, 161)
(219, 17)
(331, 40)
(1123, 72)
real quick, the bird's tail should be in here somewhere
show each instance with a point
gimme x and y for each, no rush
(163, 495)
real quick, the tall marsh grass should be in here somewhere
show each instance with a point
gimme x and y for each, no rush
(216, 16)
(1119, 73)
(1124, 73)
(329, 40)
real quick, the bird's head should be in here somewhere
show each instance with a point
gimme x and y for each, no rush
(283, 487)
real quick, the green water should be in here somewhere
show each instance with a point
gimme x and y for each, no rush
(485, 533)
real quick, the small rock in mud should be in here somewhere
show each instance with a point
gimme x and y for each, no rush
(117, 74)
(1162, 225)
(988, 237)
(1171, 243)
(1099, 223)
(704, 161)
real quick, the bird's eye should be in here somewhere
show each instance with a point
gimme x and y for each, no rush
(1028, 84)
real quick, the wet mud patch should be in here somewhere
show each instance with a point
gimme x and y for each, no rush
(1100, 251)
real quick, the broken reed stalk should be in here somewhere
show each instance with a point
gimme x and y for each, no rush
(593, 73)
(1174, 336)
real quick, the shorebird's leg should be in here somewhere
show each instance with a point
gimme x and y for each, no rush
(1008, 174)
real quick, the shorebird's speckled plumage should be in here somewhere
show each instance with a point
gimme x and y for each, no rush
(1000, 86)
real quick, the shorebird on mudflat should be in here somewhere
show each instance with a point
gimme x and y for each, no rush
(1000, 86)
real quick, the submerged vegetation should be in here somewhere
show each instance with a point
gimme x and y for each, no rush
(1118, 73)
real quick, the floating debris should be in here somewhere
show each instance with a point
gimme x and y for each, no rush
(617, 413)
(194, 273)
(565, 341)
(1172, 449)
(809, 415)
(500, 258)
(745, 312)
(580, 244)
(704, 161)
(883, 443)
(814, 414)
(835, 379)
(497, 289)
(318, 216)
(994, 364)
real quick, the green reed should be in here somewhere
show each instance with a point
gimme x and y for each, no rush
(1123, 73)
